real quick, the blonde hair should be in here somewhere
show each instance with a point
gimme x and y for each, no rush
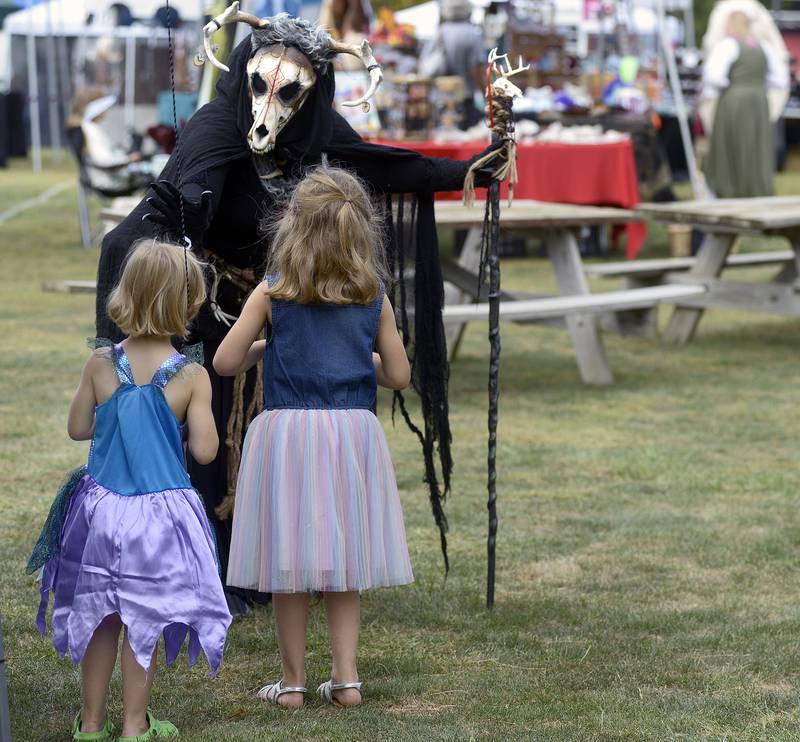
(151, 296)
(327, 246)
(738, 25)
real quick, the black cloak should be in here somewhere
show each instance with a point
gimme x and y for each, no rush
(213, 154)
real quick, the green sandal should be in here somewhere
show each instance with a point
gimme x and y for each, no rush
(157, 729)
(106, 734)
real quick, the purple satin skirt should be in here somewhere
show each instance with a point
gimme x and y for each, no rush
(149, 558)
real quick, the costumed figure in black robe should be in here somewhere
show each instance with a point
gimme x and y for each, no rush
(236, 161)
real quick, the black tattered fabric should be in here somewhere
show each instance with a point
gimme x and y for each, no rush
(214, 155)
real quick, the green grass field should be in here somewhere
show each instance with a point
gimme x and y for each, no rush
(649, 543)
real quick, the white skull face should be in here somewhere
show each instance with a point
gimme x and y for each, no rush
(502, 86)
(280, 79)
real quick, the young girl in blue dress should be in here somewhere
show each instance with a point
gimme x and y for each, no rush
(127, 545)
(317, 507)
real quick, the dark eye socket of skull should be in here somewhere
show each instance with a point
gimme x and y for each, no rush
(259, 86)
(289, 92)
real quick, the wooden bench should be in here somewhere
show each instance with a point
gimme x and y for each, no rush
(70, 287)
(580, 304)
(641, 273)
(654, 270)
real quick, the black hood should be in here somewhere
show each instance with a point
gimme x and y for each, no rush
(309, 131)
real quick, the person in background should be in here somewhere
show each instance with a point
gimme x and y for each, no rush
(737, 74)
(348, 21)
(108, 165)
(458, 49)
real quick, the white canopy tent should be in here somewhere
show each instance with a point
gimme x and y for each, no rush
(72, 15)
(56, 20)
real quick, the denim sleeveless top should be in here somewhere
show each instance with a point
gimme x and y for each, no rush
(319, 356)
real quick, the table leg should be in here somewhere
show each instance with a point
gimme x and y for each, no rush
(710, 262)
(568, 267)
(469, 259)
(791, 271)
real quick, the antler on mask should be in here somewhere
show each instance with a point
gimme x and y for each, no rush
(363, 52)
(231, 14)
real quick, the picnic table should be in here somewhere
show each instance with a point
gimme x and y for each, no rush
(576, 307)
(723, 221)
(557, 225)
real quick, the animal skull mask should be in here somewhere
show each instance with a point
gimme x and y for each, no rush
(279, 79)
(279, 75)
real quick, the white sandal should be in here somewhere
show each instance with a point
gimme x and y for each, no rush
(326, 690)
(272, 693)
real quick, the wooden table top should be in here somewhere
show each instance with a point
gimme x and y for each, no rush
(769, 214)
(522, 213)
(526, 213)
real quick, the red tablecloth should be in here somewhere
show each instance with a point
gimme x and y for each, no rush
(587, 174)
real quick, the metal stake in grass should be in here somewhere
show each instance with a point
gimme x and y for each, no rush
(500, 93)
(5, 720)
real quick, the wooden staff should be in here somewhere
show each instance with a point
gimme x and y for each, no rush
(500, 93)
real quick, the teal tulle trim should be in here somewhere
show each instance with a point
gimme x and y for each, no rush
(48, 544)
(194, 353)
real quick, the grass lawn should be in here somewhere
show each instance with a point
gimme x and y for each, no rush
(648, 551)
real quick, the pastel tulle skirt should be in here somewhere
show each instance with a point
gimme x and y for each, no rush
(149, 558)
(317, 505)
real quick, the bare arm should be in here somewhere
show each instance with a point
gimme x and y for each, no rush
(203, 438)
(80, 422)
(256, 351)
(237, 352)
(391, 362)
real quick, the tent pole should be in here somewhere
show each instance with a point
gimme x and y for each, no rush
(64, 65)
(680, 104)
(52, 90)
(130, 81)
(33, 95)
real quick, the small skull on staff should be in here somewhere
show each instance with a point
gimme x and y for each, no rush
(500, 93)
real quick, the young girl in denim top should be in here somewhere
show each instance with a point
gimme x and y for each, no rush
(317, 508)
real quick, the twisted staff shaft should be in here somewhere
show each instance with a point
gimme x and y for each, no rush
(493, 261)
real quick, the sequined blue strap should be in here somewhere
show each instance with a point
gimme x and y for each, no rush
(115, 354)
(122, 365)
(176, 363)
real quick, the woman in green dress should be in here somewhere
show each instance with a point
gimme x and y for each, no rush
(738, 72)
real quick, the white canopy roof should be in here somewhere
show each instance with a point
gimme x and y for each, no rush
(68, 17)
